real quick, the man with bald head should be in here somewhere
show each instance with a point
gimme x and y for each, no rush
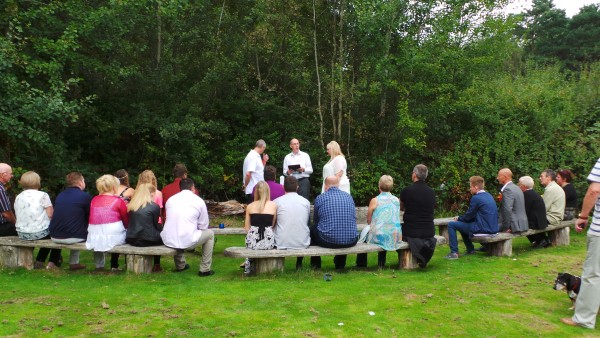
(7, 215)
(513, 217)
(297, 164)
(334, 222)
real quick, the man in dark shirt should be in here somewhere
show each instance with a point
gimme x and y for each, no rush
(70, 220)
(535, 210)
(7, 214)
(335, 222)
(418, 203)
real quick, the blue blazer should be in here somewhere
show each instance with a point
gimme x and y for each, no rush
(483, 213)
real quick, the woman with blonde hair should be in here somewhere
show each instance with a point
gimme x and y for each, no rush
(33, 210)
(147, 176)
(260, 222)
(383, 217)
(108, 222)
(144, 229)
(336, 166)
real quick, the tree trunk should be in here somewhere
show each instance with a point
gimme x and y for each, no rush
(319, 108)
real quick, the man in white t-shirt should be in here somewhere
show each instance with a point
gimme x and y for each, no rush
(254, 166)
(586, 306)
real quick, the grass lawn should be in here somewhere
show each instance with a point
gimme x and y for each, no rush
(475, 296)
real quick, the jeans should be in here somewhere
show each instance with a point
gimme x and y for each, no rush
(465, 231)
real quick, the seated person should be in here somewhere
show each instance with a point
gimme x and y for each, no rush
(480, 218)
(186, 227)
(144, 229)
(260, 223)
(535, 209)
(276, 189)
(293, 214)
(513, 217)
(383, 216)
(335, 222)
(33, 210)
(69, 222)
(554, 201)
(108, 222)
(7, 215)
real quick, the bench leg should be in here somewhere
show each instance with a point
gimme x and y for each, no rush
(502, 248)
(443, 229)
(16, 256)
(559, 236)
(407, 260)
(140, 263)
(266, 265)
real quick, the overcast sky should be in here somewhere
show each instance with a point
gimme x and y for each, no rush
(570, 6)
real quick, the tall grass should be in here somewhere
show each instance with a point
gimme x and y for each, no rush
(475, 296)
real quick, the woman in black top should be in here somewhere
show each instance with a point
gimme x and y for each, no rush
(563, 178)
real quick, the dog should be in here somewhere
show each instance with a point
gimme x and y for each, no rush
(570, 284)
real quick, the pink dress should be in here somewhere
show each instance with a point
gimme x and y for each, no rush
(158, 199)
(108, 223)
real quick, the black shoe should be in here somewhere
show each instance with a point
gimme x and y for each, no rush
(472, 252)
(483, 249)
(187, 266)
(206, 273)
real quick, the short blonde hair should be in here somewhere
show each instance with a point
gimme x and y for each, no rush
(386, 183)
(30, 180)
(107, 183)
(477, 181)
(147, 176)
(335, 149)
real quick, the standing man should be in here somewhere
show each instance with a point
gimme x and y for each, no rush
(480, 218)
(179, 172)
(71, 216)
(187, 227)
(254, 166)
(335, 222)
(555, 201)
(293, 213)
(534, 208)
(513, 217)
(418, 203)
(297, 164)
(588, 300)
(7, 215)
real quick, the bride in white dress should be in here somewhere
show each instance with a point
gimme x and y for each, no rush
(336, 166)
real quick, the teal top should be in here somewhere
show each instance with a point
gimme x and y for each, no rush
(386, 230)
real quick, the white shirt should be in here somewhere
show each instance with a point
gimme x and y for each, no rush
(293, 212)
(30, 210)
(253, 164)
(187, 218)
(300, 158)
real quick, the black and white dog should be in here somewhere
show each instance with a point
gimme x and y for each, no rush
(570, 284)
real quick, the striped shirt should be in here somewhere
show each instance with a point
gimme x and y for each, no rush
(4, 203)
(594, 177)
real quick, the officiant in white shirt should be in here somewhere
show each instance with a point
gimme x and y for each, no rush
(297, 164)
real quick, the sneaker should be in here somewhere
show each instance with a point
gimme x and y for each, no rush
(51, 266)
(206, 273)
(116, 270)
(452, 255)
(187, 266)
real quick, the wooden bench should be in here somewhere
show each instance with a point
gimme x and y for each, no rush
(442, 224)
(500, 244)
(15, 252)
(273, 260)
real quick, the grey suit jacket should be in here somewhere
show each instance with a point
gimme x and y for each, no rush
(512, 213)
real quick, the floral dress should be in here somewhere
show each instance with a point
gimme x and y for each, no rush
(386, 230)
(259, 237)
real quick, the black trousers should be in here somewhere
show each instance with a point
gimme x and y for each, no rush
(338, 260)
(54, 254)
(7, 229)
(538, 237)
(304, 188)
(361, 259)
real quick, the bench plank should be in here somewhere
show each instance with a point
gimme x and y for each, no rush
(15, 252)
(273, 260)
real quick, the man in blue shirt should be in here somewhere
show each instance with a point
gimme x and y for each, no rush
(71, 216)
(481, 218)
(335, 222)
